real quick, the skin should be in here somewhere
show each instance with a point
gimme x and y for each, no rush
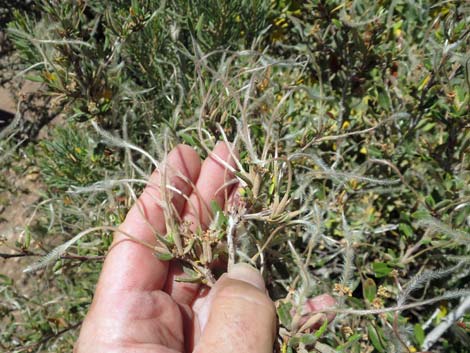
(138, 306)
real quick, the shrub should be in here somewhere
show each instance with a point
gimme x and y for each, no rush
(350, 118)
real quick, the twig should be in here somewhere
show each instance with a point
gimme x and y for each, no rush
(231, 229)
(21, 254)
(360, 312)
(47, 338)
(447, 322)
(316, 140)
(67, 256)
(83, 257)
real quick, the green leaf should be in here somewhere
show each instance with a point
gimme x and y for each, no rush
(200, 24)
(164, 257)
(215, 207)
(219, 214)
(35, 78)
(384, 100)
(57, 266)
(5, 280)
(336, 22)
(424, 82)
(27, 238)
(306, 339)
(375, 338)
(428, 127)
(406, 229)
(392, 253)
(283, 311)
(192, 276)
(322, 329)
(381, 269)
(271, 188)
(374, 151)
(420, 214)
(169, 239)
(430, 201)
(188, 139)
(369, 289)
(310, 338)
(419, 334)
(350, 341)
(188, 279)
(190, 272)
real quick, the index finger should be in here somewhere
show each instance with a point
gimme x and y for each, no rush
(130, 265)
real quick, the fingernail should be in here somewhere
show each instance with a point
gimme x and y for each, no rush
(246, 273)
(320, 302)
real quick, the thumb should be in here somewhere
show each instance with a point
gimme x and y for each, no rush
(242, 317)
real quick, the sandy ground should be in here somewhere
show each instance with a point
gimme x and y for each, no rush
(16, 200)
(7, 106)
(7, 103)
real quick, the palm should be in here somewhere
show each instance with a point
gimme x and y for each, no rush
(147, 321)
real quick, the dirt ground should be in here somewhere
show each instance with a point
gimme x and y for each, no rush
(17, 196)
(7, 107)
(7, 104)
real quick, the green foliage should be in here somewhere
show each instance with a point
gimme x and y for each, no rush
(351, 123)
(72, 158)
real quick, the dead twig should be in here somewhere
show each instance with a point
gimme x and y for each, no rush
(446, 323)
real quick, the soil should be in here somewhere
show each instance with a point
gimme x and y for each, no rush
(19, 182)
(12, 225)
(17, 197)
(7, 107)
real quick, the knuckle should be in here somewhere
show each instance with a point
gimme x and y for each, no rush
(234, 290)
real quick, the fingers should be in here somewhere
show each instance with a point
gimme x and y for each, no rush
(311, 316)
(212, 185)
(146, 216)
(132, 266)
(241, 317)
(319, 303)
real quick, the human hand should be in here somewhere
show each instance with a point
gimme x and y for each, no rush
(138, 306)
